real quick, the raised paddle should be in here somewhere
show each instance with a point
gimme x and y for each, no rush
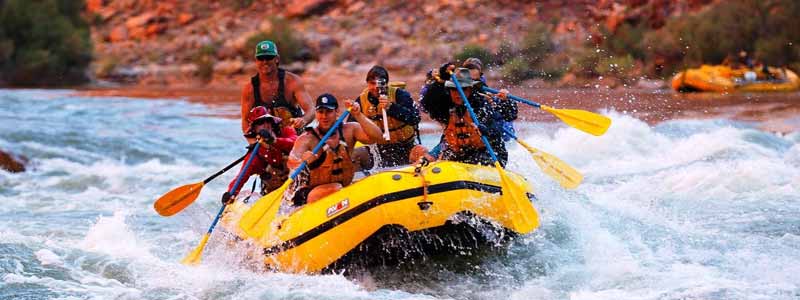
(255, 221)
(194, 257)
(514, 197)
(179, 198)
(585, 121)
(560, 171)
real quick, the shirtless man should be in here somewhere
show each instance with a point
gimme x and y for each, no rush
(281, 92)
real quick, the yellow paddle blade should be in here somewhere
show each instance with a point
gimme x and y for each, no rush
(588, 122)
(193, 258)
(255, 221)
(177, 199)
(552, 166)
(521, 213)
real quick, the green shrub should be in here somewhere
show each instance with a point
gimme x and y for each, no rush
(290, 46)
(105, 67)
(553, 67)
(536, 44)
(663, 51)
(204, 60)
(585, 62)
(627, 40)
(765, 29)
(504, 53)
(478, 52)
(516, 70)
(43, 42)
(622, 67)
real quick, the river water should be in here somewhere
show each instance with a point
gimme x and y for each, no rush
(680, 209)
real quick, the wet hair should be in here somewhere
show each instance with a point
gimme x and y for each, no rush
(473, 63)
(377, 72)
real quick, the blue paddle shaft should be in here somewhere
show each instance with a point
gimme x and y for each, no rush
(472, 115)
(321, 142)
(511, 134)
(518, 99)
(235, 185)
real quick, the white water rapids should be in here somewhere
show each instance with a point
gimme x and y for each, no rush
(686, 209)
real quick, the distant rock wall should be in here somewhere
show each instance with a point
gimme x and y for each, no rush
(139, 40)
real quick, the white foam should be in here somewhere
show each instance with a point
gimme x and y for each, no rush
(47, 257)
(111, 236)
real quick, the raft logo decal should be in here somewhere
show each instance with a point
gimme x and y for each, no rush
(338, 207)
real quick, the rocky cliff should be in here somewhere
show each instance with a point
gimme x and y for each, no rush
(201, 42)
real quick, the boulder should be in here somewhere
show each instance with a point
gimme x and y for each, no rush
(137, 33)
(297, 67)
(304, 8)
(185, 18)
(140, 20)
(155, 29)
(12, 163)
(93, 6)
(228, 67)
(118, 34)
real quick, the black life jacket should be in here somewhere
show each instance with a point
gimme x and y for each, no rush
(278, 106)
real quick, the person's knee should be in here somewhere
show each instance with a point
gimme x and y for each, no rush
(362, 158)
(321, 191)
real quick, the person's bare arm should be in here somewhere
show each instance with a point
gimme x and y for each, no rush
(296, 156)
(365, 130)
(303, 99)
(247, 103)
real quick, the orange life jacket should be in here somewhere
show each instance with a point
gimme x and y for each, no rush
(333, 165)
(275, 174)
(461, 133)
(398, 131)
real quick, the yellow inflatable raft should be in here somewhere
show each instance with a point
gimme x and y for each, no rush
(724, 79)
(440, 207)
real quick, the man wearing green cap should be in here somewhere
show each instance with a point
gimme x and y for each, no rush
(281, 92)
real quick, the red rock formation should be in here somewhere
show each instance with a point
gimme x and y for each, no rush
(12, 163)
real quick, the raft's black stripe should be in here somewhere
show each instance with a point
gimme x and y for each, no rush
(374, 202)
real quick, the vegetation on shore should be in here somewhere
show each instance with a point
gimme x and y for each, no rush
(43, 43)
(766, 30)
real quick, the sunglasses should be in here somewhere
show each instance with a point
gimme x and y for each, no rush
(265, 58)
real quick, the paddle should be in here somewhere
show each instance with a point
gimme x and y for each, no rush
(255, 221)
(513, 196)
(194, 257)
(560, 171)
(383, 89)
(588, 122)
(179, 198)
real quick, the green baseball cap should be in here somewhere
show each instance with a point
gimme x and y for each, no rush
(266, 48)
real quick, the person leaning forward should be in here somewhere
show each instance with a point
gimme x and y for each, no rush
(280, 91)
(462, 137)
(270, 163)
(332, 168)
(506, 113)
(403, 119)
